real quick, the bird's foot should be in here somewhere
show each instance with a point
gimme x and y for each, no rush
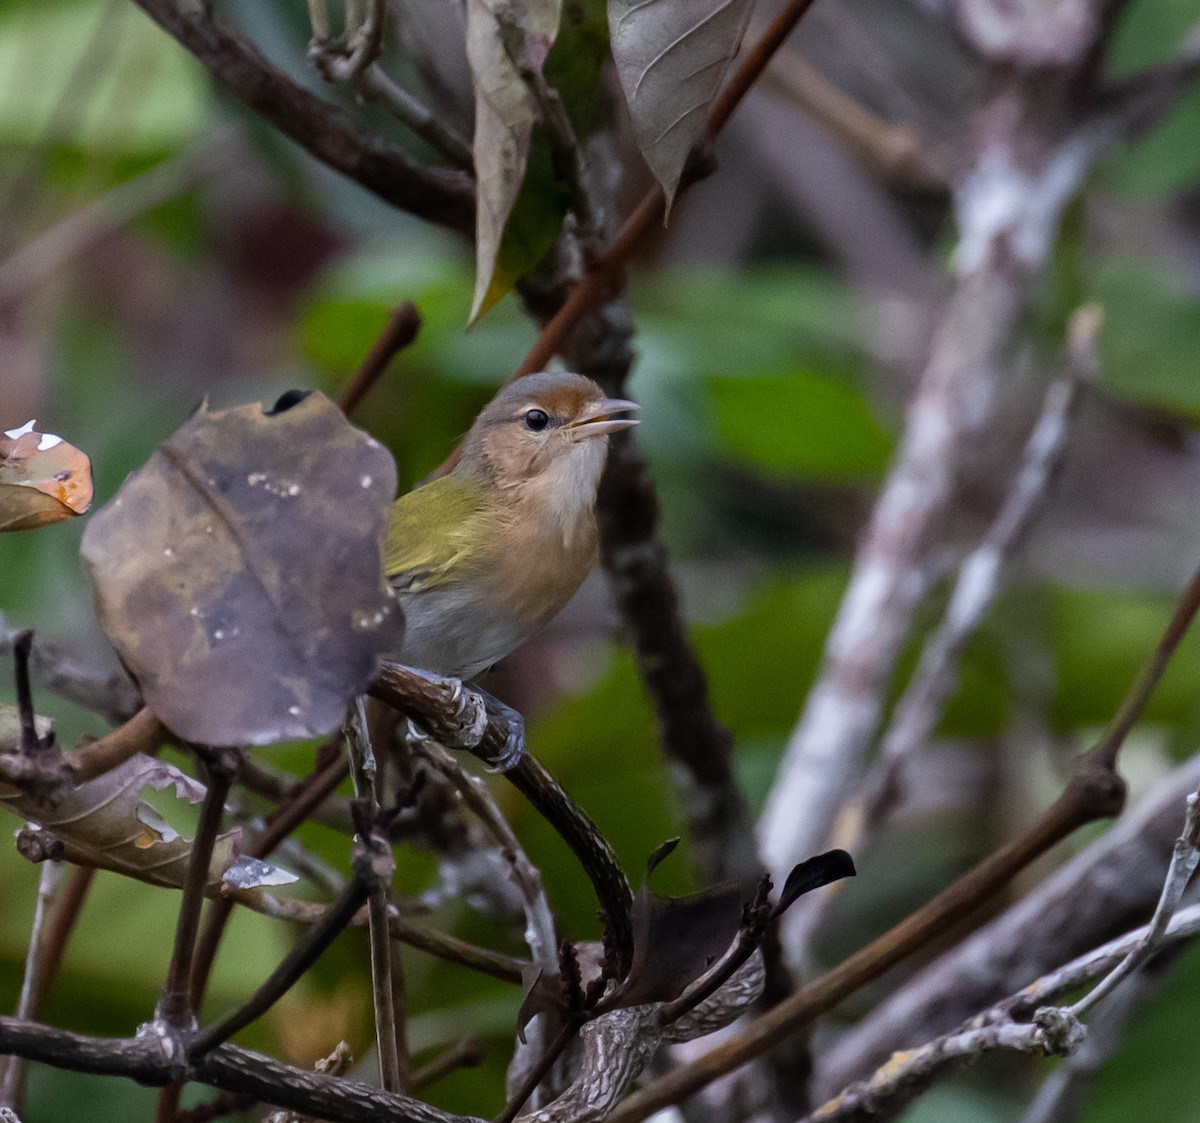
(514, 738)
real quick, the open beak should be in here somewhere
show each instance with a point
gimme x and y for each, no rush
(598, 419)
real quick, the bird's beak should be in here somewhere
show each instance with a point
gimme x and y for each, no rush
(597, 420)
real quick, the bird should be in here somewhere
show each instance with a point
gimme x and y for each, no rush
(482, 557)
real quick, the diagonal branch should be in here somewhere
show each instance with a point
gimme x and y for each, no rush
(327, 133)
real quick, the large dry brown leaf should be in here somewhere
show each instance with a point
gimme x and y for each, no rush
(505, 113)
(43, 479)
(671, 56)
(239, 573)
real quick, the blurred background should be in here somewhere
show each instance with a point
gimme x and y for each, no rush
(160, 245)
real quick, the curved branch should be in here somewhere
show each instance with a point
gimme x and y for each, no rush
(326, 132)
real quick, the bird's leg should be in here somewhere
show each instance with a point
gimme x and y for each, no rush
(456, 714)
(514, 732)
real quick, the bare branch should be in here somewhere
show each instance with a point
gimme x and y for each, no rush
(1184, 860)
(462, 718)
(12, 1073)
(979, 577)
(232, 1069)
(365, 774)
(909, 1073)
(324, 131)
(1099, 893)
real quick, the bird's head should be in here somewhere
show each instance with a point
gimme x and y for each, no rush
(549, 430)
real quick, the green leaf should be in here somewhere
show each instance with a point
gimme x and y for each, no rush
(671, 57)
(505, 113)
(1150, 345)
(573, 68)
(800, 423)
(50, 96)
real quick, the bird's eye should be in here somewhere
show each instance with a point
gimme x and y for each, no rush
(537, 420)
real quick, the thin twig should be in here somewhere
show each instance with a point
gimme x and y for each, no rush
(307, 951)
(299, 803)
(1184, 860)
(12, 1080)
(461, 718)
(890, 1087)
(539, 921)
(336, 1099)
(978, 581)
(31, 743)
(376, 85)
(539, 1072)
(62, 924)
(142, 733)
(403, 323)
(175, 1006)
(363, 771)
(445, 197)
(899, 150)
(506, 968)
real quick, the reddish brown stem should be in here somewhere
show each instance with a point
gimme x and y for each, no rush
(142, 733)
(604, 279)
(401, 329)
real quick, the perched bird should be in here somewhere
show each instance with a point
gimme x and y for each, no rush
(481, 558)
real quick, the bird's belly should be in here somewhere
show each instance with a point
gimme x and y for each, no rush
(451, 631)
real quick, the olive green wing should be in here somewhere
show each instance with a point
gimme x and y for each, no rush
(433, 532)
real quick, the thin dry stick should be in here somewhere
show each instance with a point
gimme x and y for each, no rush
(506, 968)
(891, 1084)
(307, 951)
(142, 733)
(403, 323)
(175, 1006)
(62, 923)
(459, 717)
(891, 1087)
(363, 773)
(296, 807)
(899, 150)
(31, 985)
(539, 921)
(175, 1010)
(1094, 791)
(1183, 864)
(328, 133)
(541, 1070)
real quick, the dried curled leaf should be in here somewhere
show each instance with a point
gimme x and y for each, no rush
(239, 574)
(671, 56)
(106, 824)
(43, 479)
(499, 32)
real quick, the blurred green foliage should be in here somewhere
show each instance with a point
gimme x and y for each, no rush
(755, 376)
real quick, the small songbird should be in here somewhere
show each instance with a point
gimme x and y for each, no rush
(484, 556)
